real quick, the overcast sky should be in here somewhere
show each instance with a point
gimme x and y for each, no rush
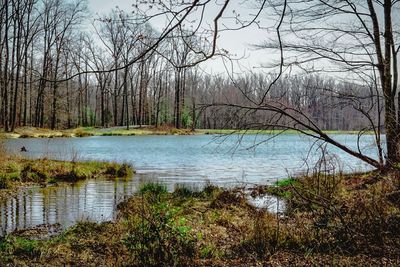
(236, 42)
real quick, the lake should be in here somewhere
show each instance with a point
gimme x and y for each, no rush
(190, 161)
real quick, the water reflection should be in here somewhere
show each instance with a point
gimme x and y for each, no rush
(188, 161)
(92, 200)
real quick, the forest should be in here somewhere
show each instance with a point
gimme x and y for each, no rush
(61, 68)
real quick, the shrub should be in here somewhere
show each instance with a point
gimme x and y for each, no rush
(264, 237)
(183, 192)
(158, 235)
(210, 189)
(124, 170)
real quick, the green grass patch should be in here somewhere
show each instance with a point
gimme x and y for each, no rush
(42, 171)
(19, 246)
(286, 182)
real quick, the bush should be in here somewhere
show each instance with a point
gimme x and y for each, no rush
(183, 192)
(158, 235)
(264, 237)
(210, 189)
(124, 171)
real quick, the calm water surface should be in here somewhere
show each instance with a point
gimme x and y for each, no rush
(172, 160)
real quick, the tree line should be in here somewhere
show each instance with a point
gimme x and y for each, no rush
(45, 43)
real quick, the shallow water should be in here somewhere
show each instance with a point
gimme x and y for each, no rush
(191, 161)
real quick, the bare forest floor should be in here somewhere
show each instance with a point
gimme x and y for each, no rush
(32, 132)
(341, 220)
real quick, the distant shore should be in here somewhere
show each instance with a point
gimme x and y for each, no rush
(32, 132)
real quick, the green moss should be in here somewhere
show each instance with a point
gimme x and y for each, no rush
(160, 235)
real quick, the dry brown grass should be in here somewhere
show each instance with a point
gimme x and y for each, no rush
(356, 226)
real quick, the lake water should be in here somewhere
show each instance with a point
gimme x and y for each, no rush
(189, 161)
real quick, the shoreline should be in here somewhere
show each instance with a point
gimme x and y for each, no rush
(31, 132)
(345, 219)
(218, 227)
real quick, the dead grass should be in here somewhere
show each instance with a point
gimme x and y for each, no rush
(356, 226)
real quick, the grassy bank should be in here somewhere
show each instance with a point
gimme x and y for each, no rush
(330, 220)
(268, 132)
(31, 132)
(16, 172)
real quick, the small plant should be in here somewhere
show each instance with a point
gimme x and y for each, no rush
(155, 190)
(286, 182)
(207, 251)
